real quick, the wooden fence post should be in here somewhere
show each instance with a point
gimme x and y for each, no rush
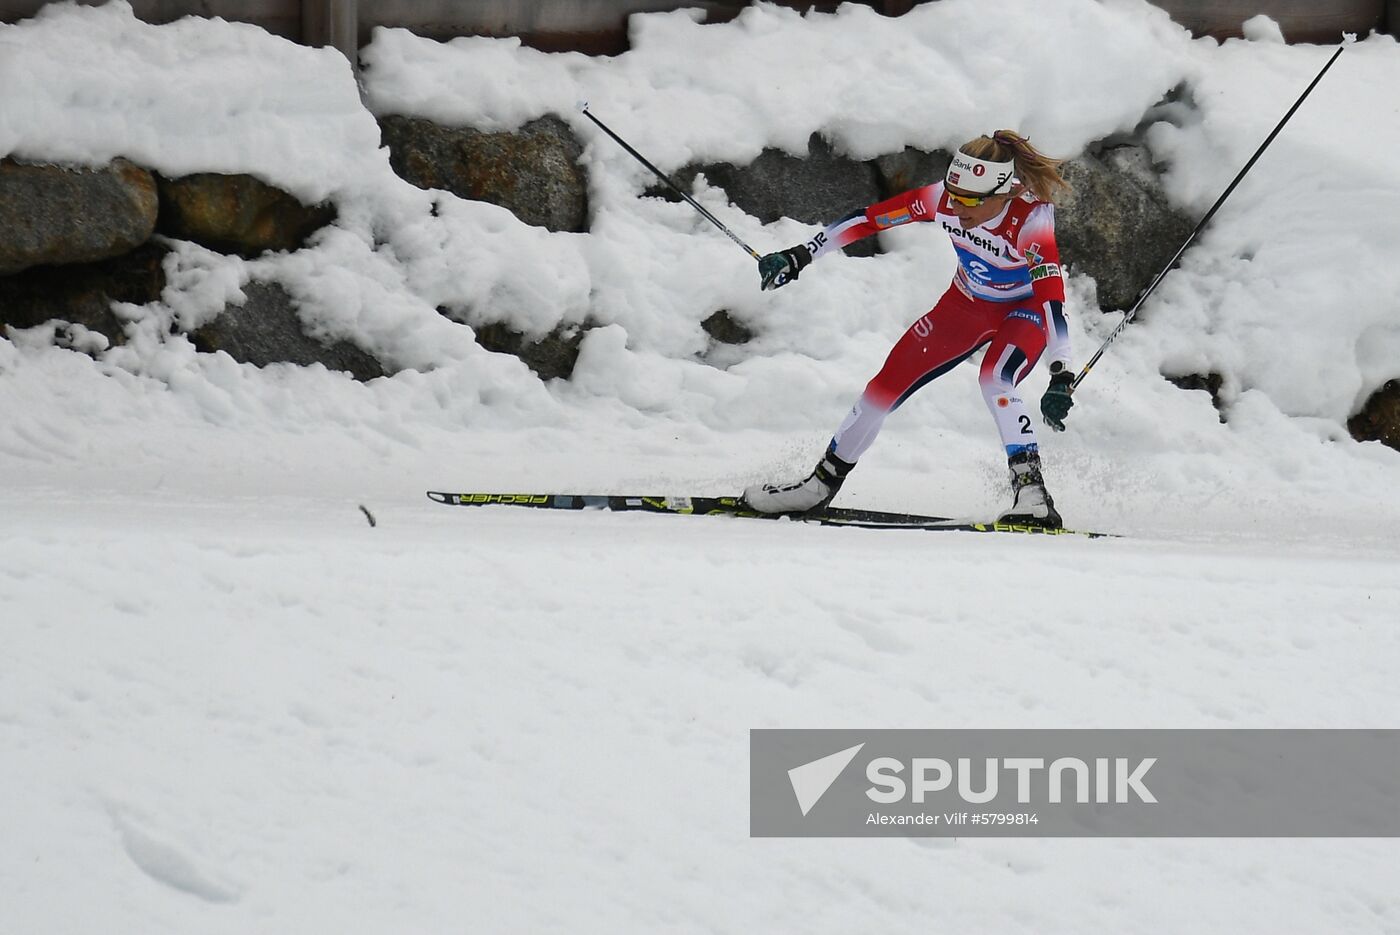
(332, 23)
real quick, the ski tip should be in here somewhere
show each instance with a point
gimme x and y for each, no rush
(437, 496)
(583, 106)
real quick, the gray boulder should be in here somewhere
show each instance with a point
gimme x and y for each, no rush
(1210, 383)
(83, 293)
(1379, 419)
(819, 188)
(1116, 225)
(236, 214)
(726, 329)
(265, 330)
(551, 356)
(56, 214)
(533, 172)
(913, 168)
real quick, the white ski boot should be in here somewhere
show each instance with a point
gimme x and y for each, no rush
(1031, 503)
(811, 493)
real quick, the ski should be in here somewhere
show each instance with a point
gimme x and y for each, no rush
(690, 506)
(960, 526)
(733, 506)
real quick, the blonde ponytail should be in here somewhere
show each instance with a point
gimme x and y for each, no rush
(1037, 171)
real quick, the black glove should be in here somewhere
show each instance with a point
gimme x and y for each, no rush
(1056, 402)
(781, 268)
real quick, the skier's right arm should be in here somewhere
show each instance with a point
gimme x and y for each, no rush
(778, 269)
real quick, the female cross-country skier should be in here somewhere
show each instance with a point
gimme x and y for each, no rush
(996, 204)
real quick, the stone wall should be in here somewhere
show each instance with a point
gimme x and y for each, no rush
(83, 238)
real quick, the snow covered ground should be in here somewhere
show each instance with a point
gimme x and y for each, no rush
(228, 704)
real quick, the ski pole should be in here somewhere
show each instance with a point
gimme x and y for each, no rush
(1142, 297)
(583, 106)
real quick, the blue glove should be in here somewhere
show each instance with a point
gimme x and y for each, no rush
(1058, 398)
(781, 268)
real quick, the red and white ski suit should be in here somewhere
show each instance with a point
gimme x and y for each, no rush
(1007, 293)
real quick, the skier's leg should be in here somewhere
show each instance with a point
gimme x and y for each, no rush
(1013, 353)
(936, 343)
(932, 346)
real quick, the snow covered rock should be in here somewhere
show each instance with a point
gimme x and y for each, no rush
(236, 214)
(910, 168)
(1211, 383)
(550, 356)
(59, 214)
(1114, 227)
(817, 188)
(726, 329)
(533, 172)
(1379, 419)
(83, 293)
(265, 329)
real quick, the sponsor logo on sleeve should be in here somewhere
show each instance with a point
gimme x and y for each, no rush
(893, 219)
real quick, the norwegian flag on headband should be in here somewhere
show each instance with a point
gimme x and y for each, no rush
(953, 177)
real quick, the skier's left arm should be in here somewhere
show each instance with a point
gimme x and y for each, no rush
(780, 268)
(1036, 243)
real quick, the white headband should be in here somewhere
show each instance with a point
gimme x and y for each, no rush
(981, 176)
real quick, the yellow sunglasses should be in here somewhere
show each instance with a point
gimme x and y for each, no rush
(970, 201)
